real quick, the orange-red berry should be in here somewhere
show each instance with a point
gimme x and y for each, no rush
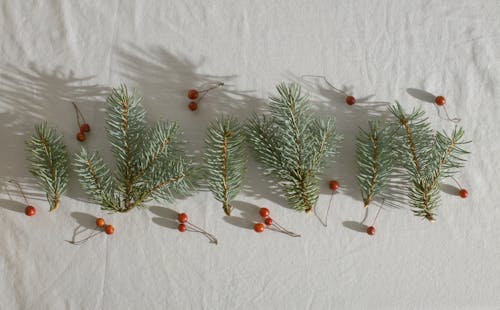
(334, 185)
(182, 217)
(109, 229)
(85, 127)
(268, 221)
(463, 193)
(193, 106)
(193, 94)
(264, 212)
(80, 136)
(182, 227)
(100, 222)
(258, 227)
(30, 211)
(440, 100)
(350, 100)
(371, 230)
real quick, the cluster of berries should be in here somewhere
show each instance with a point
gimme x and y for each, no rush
(197, 95)
(108, 229)
(83, 126)
(185, 225)
(272, 225)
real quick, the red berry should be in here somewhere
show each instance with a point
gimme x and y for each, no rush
(30, 211)
(463, 193)
(100, 222)
(80, 136)
(85, 127)
(268, 221)
(334, 185)
(193, 106)
(258, 227)
(350, 100)
(193, 94)
(371, 230)
(440, 100)
(182, 217)
(264, 212)
(182, 227)
(109, 229)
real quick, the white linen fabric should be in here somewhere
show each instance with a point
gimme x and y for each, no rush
(56, 52)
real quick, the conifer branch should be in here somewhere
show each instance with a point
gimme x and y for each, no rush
(149, 163)
(293, 145)
(96, 180)
(374, 152)
(48, 160)
(427, 158)
(225, 160)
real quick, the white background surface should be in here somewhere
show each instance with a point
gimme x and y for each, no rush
(54, 53)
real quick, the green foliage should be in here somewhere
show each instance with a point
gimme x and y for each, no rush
(428, 157)
(293, 145)
(225, 159)
(149, 161)
(48, 160)
(374, 154)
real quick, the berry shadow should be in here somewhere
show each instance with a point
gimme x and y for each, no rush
(239, 222)
(85, 220)
(86, 228)
(12, 205)
(421, 94)
(248, 215)
(247, 210)
(358, 226)
(35, 94)
(166, 217)
(449, 189)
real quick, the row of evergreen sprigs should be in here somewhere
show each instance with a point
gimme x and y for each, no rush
(292, 145)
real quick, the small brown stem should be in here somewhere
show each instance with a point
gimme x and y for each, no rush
(79, 115)
(204, 232)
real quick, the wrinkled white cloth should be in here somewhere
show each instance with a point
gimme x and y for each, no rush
(56, 52)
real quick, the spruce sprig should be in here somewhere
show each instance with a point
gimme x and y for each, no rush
(149, 161)
(374, 155)
(48, 160)
(428, 158)
(225, 159)
(293, 145)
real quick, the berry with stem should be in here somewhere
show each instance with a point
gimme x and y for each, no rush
(185, 224)
(371, 229)
(197, 95)
(441, 101)
(83, 126)
(334, 186)
(29, 210)
(462, 192)
(259, 227)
